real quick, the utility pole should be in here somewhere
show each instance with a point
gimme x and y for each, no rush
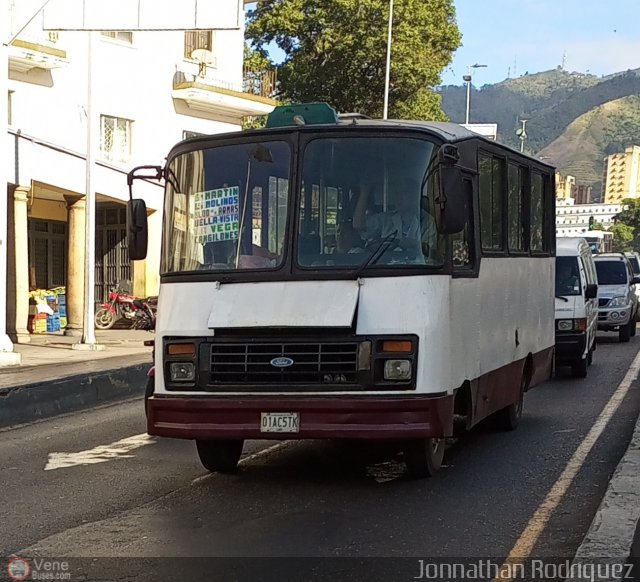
(385, 110)
(7, 356)
(522, 133)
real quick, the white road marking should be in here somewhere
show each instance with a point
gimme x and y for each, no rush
(100, 454)
(529, 537)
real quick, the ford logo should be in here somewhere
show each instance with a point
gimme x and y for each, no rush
(281, 362)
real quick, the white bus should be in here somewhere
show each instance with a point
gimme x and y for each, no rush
(351, 279)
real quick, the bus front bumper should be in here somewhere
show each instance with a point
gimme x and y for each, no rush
(371, 417)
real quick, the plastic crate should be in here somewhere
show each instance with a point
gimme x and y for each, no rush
(53, 323)
(62, 311)
(38, 323)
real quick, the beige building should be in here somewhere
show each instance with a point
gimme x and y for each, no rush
(565, 187)
(621, 177)
(151, 90)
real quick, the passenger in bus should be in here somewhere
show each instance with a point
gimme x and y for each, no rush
(416, 228)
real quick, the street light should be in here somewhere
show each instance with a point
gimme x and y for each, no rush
(467, 78)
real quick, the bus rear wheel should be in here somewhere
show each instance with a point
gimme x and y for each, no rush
(509, 417)
(220, 456)
(424, 457)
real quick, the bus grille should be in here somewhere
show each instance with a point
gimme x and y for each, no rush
(313, 363)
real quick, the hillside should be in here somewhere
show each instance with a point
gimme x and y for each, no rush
(580, 149)
(560, 107)
(550, 100)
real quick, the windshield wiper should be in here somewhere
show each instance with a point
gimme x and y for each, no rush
(382, 246)
(563, 298)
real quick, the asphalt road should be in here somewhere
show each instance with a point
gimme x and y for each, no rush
(146, 498)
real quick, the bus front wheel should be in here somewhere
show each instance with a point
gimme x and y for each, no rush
(220, 456)
(424, 457)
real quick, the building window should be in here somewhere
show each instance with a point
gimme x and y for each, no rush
(491, 181)
(124, 36)
(197, 39)
(115, 138)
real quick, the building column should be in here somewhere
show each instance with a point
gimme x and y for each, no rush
(75, 265)
(20, 264)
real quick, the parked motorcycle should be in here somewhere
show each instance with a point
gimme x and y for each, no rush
(123, 305)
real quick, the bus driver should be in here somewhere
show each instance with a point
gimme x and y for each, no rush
(416, 228)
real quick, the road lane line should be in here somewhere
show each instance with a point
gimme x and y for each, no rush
(100, 454)
(529, 537)
(247, 459)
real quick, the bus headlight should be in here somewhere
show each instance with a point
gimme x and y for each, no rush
(182, 371)
(397, 370)
(565, 324)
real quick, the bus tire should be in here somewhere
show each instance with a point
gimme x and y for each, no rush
(579, 369)
(220, 456)
(624, 334)
(508, 418)
(633, 327)
(424, 457)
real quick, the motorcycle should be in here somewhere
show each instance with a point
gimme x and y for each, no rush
(123, 305)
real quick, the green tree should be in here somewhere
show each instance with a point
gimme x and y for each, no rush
(335, 51)
(623, 236)
(630, 218)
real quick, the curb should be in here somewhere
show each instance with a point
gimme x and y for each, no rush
(614, 535)
(21, 404)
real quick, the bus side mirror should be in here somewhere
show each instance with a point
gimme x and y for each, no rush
(591, 292)
(137, 230)
(452, 204)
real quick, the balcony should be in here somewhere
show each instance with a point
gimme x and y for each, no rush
(228, 101)
(39, 52)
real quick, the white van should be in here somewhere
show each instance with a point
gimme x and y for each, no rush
(576, 305)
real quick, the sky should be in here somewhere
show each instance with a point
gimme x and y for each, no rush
(598, 36)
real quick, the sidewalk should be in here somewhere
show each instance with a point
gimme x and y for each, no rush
(51, 356)
(54, 378)
(614, 535)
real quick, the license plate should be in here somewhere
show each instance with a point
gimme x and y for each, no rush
(279, 422)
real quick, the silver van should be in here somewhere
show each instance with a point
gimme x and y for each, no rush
(617, 300)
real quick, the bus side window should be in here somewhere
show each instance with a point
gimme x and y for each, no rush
(462, 243)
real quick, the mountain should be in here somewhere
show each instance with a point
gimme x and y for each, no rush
(581, 148)
(560, 107)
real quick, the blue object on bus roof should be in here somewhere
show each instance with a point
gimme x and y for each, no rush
(302, 114)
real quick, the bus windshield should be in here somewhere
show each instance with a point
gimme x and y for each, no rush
(368, 201)
(360, 202)
(226, 208)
